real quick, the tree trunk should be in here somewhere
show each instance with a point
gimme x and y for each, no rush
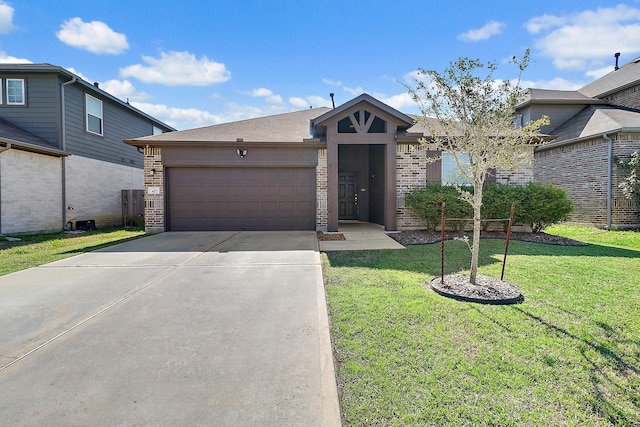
(477, 225)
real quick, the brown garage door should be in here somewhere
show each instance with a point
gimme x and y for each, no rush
(241, 199)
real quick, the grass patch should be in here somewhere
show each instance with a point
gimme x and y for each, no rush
(624, 239)
(568, 355)
(37, 249)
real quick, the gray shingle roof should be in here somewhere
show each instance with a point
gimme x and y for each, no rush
(556, 95)
(20, 138)
(287, 127)
(627, 75)
(597, 120)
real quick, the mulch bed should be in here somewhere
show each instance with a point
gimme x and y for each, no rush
(328, 237)
(422, 237)
(486, 290)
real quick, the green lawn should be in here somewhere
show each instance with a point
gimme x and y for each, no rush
(568, 355)
(38, 249)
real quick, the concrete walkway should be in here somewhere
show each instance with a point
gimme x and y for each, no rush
(210, 329)
(360, 236)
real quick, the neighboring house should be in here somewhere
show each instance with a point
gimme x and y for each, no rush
(591, 128)
(305, 170)
(62, 156)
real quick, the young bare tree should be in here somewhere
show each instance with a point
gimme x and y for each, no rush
(476, 123)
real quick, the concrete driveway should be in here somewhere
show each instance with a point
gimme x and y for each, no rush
(202, 328)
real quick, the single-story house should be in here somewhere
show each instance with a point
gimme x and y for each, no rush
(306, 170)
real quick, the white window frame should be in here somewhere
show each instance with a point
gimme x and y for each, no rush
(451, 174)
(93, 114)
(24, 96)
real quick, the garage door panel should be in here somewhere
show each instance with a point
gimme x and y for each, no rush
(240, 199)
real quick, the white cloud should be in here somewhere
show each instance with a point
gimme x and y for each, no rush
(400, 102)
(309, 101)
(332, 82)
(412, 77)
(491, 29)
(557, 83)
(78, 73)
(318, 101)
(587, 39)
(298, 102)
(355, 91)
(180, 118)
(7, 59)
(94, 36)
(260, 92)
(6, 18)
(178, 69)
(124, 90)
(269, 96)
(599, 72)
(544, 22)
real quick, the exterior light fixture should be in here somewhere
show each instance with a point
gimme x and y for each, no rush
(153, 171)
(241, 152)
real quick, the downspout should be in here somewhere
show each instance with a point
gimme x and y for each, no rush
(609, 176)
(2, 149)
(64, 146)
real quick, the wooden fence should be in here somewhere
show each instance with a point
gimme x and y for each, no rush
(133, 208)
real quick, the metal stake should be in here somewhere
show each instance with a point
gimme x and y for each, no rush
(442, 245)
(506, 247)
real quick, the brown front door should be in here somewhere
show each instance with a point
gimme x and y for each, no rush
(348, 196)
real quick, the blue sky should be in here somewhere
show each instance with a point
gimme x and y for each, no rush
(196, 63)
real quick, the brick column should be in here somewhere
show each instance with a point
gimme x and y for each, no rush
(321, 190)
(411, 166)
(154, 201)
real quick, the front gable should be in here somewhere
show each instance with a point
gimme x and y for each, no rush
(363, 119)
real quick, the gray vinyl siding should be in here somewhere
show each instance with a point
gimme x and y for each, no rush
(118, 124)
(41, 113)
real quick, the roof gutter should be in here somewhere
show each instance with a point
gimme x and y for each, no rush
(584, 138)
(33, 148)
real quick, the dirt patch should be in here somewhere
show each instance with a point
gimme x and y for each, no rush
(422, 237)
(328, 237)
(486, 290)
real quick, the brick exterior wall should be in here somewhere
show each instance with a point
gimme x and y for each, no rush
(321, 191)
(519, 177)
(94, 189)
(629, 97)
(30, 192)
(581, 168)
(411, 173)
(153, 203)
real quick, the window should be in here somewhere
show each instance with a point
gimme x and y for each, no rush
(451, 173)
(15, 91)
(156, 131)
(346, 126)
(378, 126)
(94, 114)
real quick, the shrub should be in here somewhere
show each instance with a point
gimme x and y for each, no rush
(426, 204)
(538, 205)
(630, 174)
(496, 203)
(544, 205)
